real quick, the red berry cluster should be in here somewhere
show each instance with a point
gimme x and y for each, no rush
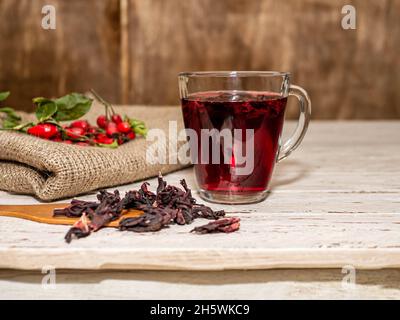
(109, 132)
(114, 129)
(81, 133)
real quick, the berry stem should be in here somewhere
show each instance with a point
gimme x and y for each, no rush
(104, 102)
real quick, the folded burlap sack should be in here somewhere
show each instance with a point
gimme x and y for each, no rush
(51, 170)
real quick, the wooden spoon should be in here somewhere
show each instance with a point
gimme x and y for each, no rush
(43, 213)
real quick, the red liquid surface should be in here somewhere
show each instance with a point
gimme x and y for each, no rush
(261, 111)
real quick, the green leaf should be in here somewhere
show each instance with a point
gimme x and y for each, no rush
(11, 119)
(141, 131)
(10, 112)
(113, 145)
(69, 101)
(41, 100)
(72, 106)
(7, 110)
(138, 126)
(67, 108)
(4, 95)
(23, 127)
(45, 110)
(9, 124)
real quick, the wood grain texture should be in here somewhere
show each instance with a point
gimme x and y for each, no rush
(334, 202)
(132, 50)
(82, 53)
(257, 284)
(349, 74)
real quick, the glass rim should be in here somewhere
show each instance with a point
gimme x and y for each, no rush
(233, 74)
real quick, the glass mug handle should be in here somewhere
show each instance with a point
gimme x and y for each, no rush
(305, 114)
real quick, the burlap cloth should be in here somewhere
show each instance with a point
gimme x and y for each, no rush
(51, 170)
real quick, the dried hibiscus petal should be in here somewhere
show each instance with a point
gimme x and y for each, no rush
(76, 208)
(80, 229)
(169, 205)
(226, 225)
(146, 223)
(202, 211)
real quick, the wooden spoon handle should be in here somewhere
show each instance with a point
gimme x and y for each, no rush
(43, 213)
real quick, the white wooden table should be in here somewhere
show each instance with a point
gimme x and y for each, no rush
(334, 203)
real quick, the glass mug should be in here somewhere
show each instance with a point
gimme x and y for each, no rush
(234, 122)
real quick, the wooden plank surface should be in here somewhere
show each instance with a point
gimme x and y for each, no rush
(334, 202)
(256, 284)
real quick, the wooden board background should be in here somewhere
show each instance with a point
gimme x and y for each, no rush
(132, 50)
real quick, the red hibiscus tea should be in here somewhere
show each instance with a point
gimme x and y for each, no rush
(260, 112)
(234, 121)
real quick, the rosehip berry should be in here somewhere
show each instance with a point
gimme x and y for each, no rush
(116, 118)
(57, 136)
(111, 129)
(131, 135)
(83, 124)
(124, 127)
(102, 121)
(101, 136)
(43, 130)
(105, 140)
(75, 133)
(91, 130)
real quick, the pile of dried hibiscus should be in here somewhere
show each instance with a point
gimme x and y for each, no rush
(170, 205)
